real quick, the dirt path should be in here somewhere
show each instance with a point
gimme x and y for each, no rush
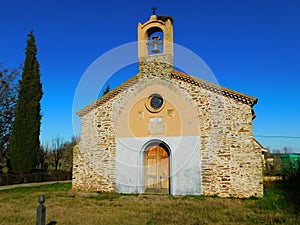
(31, 184)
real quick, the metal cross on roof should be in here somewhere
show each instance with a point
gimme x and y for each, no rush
(153, 10)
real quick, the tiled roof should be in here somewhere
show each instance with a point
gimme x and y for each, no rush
(178, 76)
(214, 88)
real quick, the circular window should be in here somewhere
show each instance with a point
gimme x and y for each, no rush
(155, 103)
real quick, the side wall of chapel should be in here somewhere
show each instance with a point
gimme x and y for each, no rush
(230, 164)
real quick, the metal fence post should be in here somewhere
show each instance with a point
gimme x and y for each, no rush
(41, 212)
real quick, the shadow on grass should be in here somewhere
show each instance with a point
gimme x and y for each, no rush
(283, 194)
(52, 223)
(291, 189)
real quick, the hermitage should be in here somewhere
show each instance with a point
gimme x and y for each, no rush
(164, 131)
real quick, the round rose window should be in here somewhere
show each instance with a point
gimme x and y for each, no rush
(155, 103)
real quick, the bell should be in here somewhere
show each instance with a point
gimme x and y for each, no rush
(155, 49)
(155, 43)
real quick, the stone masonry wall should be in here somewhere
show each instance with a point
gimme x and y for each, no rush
(230, 164)
(94, 158)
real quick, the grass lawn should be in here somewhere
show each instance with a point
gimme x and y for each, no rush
(281, 205)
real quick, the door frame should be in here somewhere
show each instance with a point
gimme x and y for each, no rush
(154, 142)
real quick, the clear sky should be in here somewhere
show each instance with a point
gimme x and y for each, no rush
(251, 46)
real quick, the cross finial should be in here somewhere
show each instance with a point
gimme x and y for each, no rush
(153, 10)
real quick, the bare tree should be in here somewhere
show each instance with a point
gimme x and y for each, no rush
(58, 148)
(287, 150)
(42, 157)
(8, 98)
(68, 153)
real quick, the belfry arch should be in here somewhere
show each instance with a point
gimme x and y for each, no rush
(155, 24)
(155, 41)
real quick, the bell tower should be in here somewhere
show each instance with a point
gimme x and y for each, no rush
(155, 40)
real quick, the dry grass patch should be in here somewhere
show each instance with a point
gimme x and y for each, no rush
(64, 206)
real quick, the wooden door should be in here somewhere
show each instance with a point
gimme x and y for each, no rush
(157, 170)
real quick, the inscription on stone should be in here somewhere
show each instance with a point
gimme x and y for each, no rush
(156, 120)
(157, 126)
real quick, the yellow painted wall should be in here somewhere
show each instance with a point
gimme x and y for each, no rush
(176, 118)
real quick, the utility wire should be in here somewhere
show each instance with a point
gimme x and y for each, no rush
(276, 136)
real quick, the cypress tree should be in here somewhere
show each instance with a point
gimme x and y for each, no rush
(25, 142)
(107, 89)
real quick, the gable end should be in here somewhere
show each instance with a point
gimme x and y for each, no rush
(246, 99)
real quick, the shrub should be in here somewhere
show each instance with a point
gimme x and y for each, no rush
(59, 175)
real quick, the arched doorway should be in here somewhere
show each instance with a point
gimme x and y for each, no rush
(157, 169)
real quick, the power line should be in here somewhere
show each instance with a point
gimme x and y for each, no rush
(277, 136)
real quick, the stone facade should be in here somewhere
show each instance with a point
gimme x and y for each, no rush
(229, 161)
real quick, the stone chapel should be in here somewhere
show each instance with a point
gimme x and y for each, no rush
(164, 131)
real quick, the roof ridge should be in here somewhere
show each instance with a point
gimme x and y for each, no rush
(247, 99)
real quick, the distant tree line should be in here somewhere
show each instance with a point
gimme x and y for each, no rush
(278, 163)
(58, 155)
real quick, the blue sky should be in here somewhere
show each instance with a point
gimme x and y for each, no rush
(251, 46)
